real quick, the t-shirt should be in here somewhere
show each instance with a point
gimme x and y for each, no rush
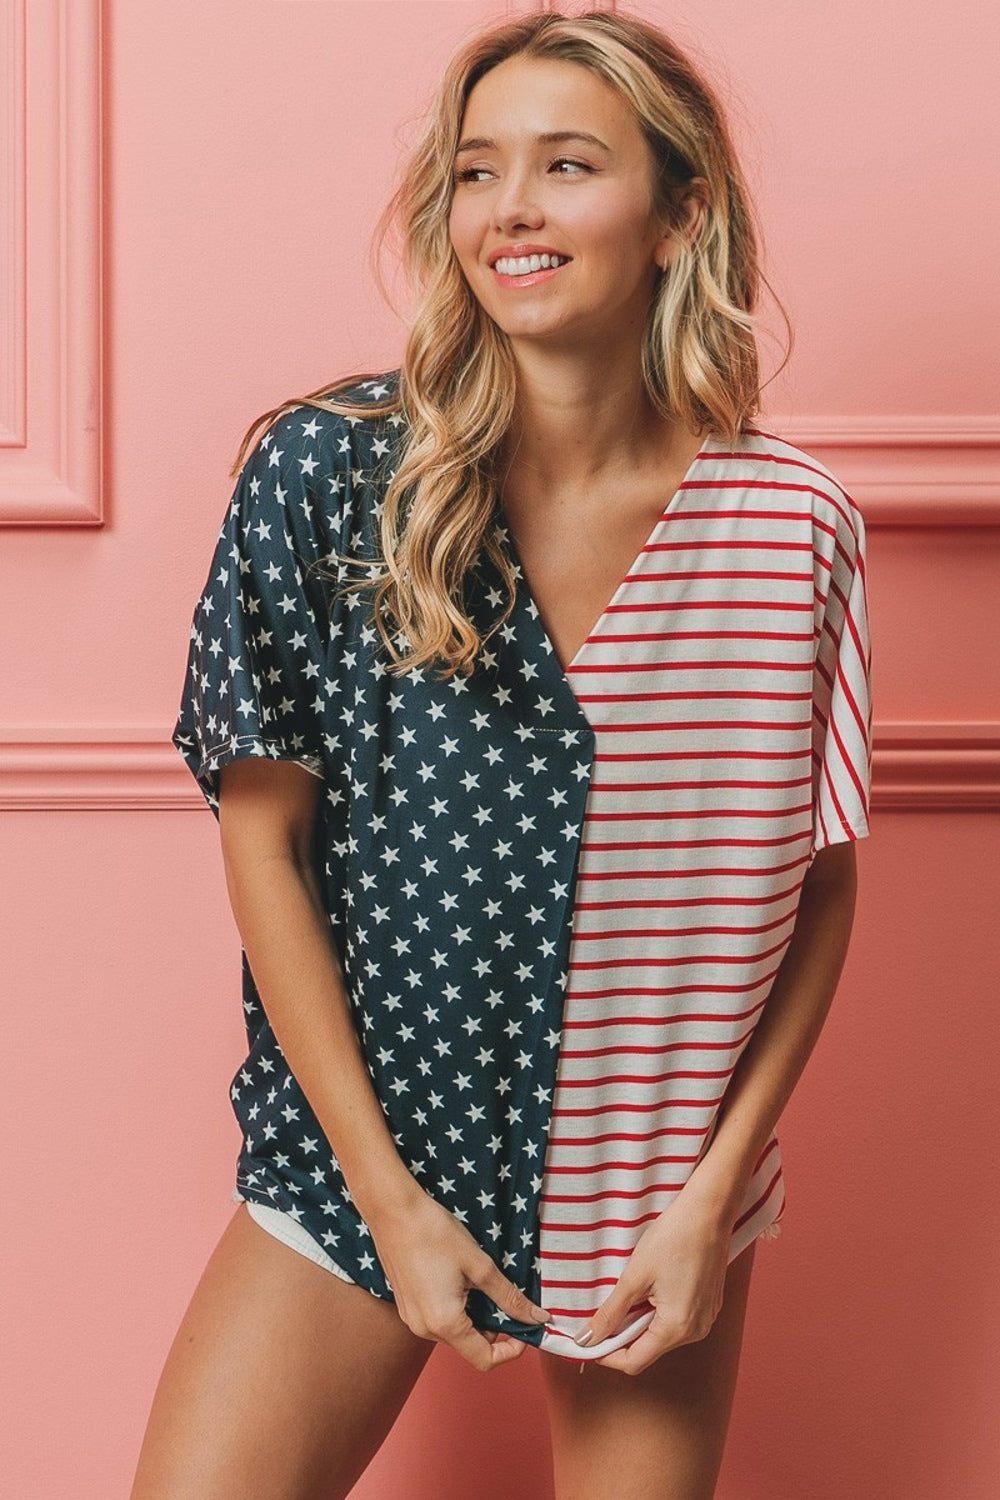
(559, 898)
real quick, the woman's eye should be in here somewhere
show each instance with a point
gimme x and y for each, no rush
(563, 166)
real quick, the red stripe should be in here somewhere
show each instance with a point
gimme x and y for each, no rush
(659, 991)
(845, 756)
(842, 816)
(709, 544)
(687, 664)
(605, 1251)
(759, 1203)
(849, 695)
(569, 1285)
(671, 1020)
(739, 695)
(660, 813)
(568, 1312)
(609, 1078)
(669, 903)
(689, 786)
(688, 874)
(622, 1135)
(688, 843)
(620, 1166)
(795, 726)
(634, 1109)
(602, 1022)
(805, 516)
(826, 677)
(822, 835)
(703, 635)
(698, 755)
(660, 960)
(551, 1228)
(665, 905)
(577, 1053)
(606, 933)
(647, 606)
(626, 1193)
(769, 575)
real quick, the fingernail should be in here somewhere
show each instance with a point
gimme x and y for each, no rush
(539, 1312)
(584, 1338)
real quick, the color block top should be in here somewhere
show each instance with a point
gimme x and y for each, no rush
(560, 898)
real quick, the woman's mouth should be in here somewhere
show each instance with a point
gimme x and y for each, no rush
(523, 265)
(527, 270)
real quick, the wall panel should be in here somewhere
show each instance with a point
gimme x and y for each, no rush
(50, 263)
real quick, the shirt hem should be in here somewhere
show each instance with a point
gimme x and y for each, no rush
(243, 747)
(842, 833)
(764, 1222)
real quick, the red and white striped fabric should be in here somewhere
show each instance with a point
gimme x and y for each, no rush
(727, 684)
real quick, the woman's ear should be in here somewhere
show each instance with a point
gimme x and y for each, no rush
(693, 204)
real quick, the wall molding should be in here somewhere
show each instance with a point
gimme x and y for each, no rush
(907, 470)
(936, 765)
(916, 766)
(12, 227)
(64, 769)
(50, 262)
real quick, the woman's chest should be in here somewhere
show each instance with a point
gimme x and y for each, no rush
(575, 557)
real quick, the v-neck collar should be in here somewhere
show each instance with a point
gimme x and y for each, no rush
(524, 588)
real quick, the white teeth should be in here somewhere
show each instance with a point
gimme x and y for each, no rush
(524, 265)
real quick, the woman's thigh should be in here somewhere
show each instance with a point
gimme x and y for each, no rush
(282, 1382)
(659, 1435)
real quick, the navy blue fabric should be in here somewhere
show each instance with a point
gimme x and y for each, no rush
(448, 842)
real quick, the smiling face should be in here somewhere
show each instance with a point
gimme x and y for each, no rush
(551, 163)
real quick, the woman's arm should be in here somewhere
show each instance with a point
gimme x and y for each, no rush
(267, 813)
(267, 818)
(680, 1262)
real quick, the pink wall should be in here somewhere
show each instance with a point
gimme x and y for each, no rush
(233, 272)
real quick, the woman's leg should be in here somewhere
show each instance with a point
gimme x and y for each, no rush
(655, 1436)
(282, 1383)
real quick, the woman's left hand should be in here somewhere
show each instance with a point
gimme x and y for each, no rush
(679, 1266)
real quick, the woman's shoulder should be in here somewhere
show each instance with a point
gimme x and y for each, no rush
(336, 441)
(320, 462)
(374, 391)
(356, 407)
(797, 470)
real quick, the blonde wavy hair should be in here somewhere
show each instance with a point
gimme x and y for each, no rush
(456, 387)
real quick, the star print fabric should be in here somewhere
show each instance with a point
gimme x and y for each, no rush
(450, 832)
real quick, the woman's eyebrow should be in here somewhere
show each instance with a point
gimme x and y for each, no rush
(550, 138)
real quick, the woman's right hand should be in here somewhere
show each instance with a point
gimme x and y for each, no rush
(432, 1262)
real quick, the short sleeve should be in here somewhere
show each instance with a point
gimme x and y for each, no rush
(842, 715)
(260, 632)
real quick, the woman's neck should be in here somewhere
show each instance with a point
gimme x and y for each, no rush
(576, 422)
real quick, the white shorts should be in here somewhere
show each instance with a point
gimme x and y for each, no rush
(285, 1227)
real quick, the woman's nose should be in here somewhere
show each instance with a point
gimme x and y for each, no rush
(516, 204)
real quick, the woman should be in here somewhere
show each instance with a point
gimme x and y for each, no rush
(523, 826)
